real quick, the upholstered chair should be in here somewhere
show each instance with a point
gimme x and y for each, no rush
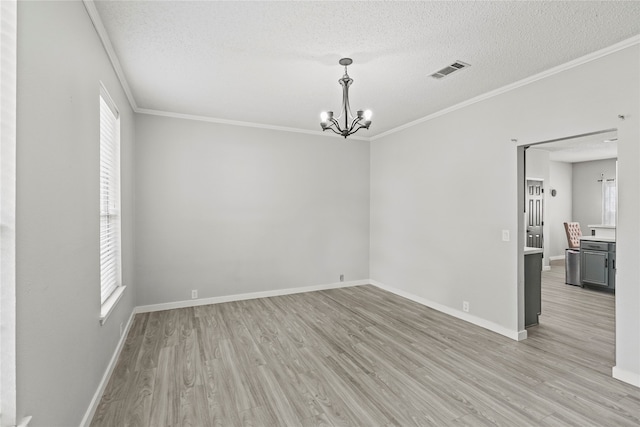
(573, 234)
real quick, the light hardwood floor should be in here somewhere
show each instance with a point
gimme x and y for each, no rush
(364, 357)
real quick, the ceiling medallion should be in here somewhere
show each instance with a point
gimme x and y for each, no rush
(362, 118)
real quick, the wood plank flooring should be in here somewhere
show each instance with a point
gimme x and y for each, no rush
(364, 357)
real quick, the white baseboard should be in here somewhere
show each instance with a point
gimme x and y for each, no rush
(93, 406)
(626, 376)
(250, 295)
(546, 268)
(478, 321)
(556, 257)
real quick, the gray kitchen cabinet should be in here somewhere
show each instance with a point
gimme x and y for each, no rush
(598, 263)
(532, 288)
(594, 268)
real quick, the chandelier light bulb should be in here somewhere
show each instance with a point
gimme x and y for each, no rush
(324, 116)
(367, 115)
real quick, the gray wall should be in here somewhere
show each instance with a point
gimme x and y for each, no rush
(62, 351)
(442, 191)
(587, 191)
(537, 164)
(230, 210)
(559, 208)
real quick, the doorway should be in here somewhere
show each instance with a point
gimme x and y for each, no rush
(585, 149)
(579, 177)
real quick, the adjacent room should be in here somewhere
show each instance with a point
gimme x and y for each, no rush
(571, 186)
(318, 213)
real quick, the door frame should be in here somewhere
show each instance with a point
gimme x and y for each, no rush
(521, 173)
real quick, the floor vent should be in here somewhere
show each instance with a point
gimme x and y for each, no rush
(449, 69)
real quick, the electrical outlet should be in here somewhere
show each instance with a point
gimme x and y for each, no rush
(194, 294)
(505, 236)
(465, 306)
(342, 277)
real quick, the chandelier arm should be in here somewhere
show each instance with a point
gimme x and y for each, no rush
(335, 123)
(331, 128)
(360, 127)
(355, 122)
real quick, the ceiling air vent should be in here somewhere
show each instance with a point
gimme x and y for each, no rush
(449, 69)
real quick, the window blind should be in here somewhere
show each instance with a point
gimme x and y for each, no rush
(110, 275)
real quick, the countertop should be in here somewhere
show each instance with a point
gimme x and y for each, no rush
(601, 226)
(530, 251)
(598, 239)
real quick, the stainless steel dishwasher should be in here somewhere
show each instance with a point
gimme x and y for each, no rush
(572, 267)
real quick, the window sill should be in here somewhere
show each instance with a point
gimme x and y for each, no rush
(110, 304)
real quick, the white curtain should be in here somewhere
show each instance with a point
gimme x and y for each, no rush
(609, 198)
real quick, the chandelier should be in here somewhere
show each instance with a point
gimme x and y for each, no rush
(362, 118)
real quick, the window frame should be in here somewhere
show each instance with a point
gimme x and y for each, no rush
(110, 254)
(8, 127)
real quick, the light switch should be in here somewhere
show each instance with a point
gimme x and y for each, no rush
(505, 236)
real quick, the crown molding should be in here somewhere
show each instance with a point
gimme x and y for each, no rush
(92, 11)
(240, 123)
(90, 6)
(550, 72)
(106, 42)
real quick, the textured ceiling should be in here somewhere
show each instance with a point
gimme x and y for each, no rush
(276, 63)
(582, 148)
